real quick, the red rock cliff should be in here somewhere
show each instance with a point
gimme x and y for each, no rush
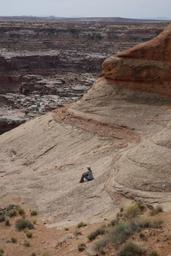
(145, 67)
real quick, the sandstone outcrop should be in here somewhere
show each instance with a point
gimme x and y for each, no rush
(146, 67)
(134, 91)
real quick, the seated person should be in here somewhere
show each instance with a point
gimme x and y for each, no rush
(87, 176)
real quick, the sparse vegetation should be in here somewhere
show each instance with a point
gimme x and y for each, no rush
(81, 225)
(7, 222)
(34, 222)
(131, 249)
(2, 218)
(33, 213)
(77, 232)
(100, 246)
(21, 211)
(127, 223)
(1, 252)
(100, 231)
(22, 224)
(29, 235)
(12, 213)
(133, 210)
(81, 247)
(13, 240)
(156, 210)
(121, 233)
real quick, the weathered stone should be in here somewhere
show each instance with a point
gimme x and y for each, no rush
(145, 67)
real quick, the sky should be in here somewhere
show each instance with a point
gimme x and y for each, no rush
(87, 8)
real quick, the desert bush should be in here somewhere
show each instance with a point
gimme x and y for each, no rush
(20, 211)
(100, 231)
(81, 247)
(22, 224)
(100, 246)
(34, 213)
(131, 249)
(2, 218)
(77, 232)
(156, 210)
(120, 233)
(7, 222)
(113, 222)
(1, 252)
(133, 210)
(81, 225)
(150, 223)
(12, 213)
(13, 240)
(29, 234)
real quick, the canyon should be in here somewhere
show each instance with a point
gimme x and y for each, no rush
(46, 63)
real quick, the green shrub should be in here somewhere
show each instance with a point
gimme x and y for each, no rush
(131, 249)
(22, 224)
(100, 231)
(81, 247)
(81, 225)
(133, 211)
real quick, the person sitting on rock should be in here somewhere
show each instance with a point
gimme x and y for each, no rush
(87, 176)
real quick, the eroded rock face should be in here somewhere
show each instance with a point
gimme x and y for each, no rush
(146, 67)
(147, 63)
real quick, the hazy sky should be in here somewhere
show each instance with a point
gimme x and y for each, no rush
(87, 8)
